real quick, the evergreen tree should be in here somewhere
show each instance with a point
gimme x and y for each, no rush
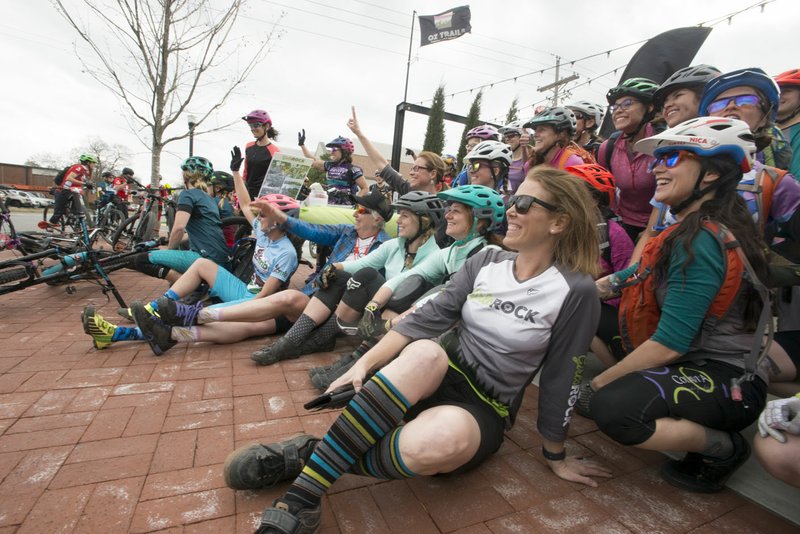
(473, 119)
(513, 111)
(434, 134)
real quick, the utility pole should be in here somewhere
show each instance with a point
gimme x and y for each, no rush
(556, 85)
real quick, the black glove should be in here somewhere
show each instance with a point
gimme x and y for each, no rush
(236, 159)
(409, 152)
(372, 324)
(301, 138)
(327, 276)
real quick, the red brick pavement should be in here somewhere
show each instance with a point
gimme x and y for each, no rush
(120, 440)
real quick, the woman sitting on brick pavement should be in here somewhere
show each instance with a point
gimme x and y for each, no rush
(273, 313)
(692, 312)
(347, 287)
(458, 389)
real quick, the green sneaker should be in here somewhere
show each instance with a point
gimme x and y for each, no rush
(101, 330)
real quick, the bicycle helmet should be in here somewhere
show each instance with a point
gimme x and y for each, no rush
(107, 174)
(491, 150)
(588, 108)
(485, 132)
(596, 176)
(562, 119)
(127, 171)
(705, 136)
(790, 78)
(198, 164)
(87, 158)
(280, 201)
(420, 203)
(450, 162)
(639, 88)
(751, 77)
(514, 127)
(695, 77)
(222, 181)
(342, 143)
(257, 116)
(486, 203)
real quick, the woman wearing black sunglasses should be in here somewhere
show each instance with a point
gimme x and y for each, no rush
(692, 312)
(459, 388)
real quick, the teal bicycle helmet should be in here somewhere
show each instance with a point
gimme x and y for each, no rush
(198, 164)
(486, 203)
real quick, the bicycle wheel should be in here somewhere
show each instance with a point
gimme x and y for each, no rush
(243, 227)
(144, 230)
(124, 237)
(169, 213)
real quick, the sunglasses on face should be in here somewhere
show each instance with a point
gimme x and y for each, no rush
(417, 168)
(361, 210)
(523, 203)
(475, 166)
(255, 125)
(671, 159)
(738, 100)
(625, 105)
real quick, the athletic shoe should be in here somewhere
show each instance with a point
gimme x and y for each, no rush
(126, 313)
(290, 516)
(283, 349)
(705, 474)
(176, 313)
(261, 466)
(323, 377)
(157, 334)
(94, 325)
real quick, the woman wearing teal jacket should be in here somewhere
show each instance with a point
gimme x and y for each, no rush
(473, 212)
(346, 287)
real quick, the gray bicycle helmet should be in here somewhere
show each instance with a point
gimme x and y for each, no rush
(562, 119)
(420, 203)
(589, 108)
(512, 127)
(694, 76)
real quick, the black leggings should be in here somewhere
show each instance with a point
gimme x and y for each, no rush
(66, 198)
(627, 409)
(608, 330)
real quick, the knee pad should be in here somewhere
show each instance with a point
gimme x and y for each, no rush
(141, 263)
(361, 287)
(408, 292)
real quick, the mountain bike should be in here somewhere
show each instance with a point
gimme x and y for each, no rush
(142, 225)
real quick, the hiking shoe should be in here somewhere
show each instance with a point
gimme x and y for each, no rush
(290, 516)
(157, 334)
(283, 349)
(325, 376)
(261, 466)
(704, 474)
(176, 313)
(585, 393)
(94, 325)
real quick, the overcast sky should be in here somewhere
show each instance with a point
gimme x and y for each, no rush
(319, 67)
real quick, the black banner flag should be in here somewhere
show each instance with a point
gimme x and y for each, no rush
(659, 57)
(444, 26)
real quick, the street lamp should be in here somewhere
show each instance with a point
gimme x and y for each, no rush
(192, 124)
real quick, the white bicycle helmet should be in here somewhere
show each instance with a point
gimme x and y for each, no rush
(705, 136)
(588, 108)
(491, 150)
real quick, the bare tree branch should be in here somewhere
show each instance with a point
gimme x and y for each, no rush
(156, 56)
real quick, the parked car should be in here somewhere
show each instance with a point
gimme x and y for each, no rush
(40, 200)
(17, 199)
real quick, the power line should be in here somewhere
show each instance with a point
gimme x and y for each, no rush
(382, 7)
(711, 22)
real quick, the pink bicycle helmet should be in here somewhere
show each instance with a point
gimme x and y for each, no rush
(258, 116)
(282, 202)
(343, 143)
(485, 132)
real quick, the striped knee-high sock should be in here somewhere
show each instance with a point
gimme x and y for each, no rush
(384, 460)
(373, 413)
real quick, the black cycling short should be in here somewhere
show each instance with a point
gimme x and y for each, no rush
(282, 324)
(455, 390)
(627, 409)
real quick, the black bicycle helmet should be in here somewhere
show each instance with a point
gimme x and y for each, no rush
(640, 88)
(127, 171)
(562, 119)
(695, 76)
(421, 203)
(222, 180)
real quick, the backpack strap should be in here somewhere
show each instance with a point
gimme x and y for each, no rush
(612, 140)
